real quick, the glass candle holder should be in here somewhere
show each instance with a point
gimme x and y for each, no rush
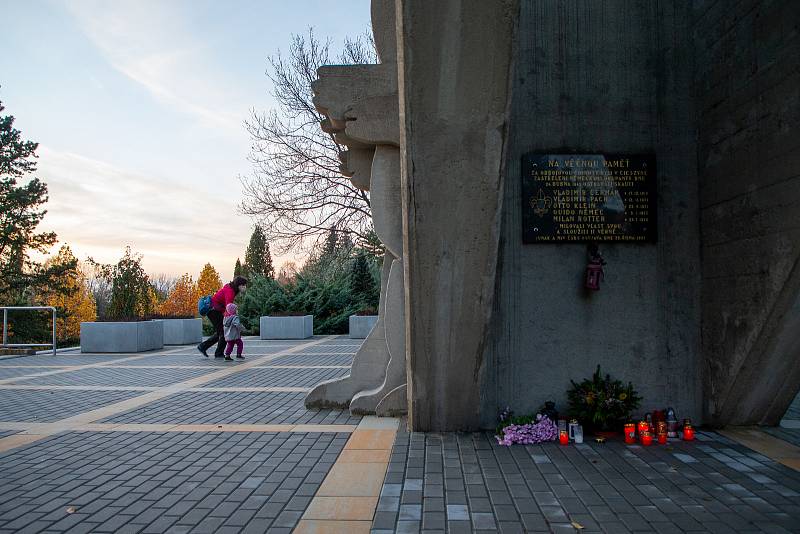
(630, 433)
(646, 438)
(688, 430)
(563, 437)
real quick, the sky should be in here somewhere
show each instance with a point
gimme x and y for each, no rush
(138, 106)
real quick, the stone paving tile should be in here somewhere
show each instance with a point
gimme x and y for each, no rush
(6, 433)
(159, 482)
(313, 359)
(200, 407)
(278, 377)
(64, 360)
(331, 348)
(470, 482)
(110, 376)
(13, 372)
(792, 417)
(44, 406)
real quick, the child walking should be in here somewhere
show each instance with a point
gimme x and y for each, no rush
(233, 332)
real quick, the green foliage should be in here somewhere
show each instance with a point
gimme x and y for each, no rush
(335, 283)
(20, 213)
(257, 258)
(132, 296)
(237, 269)
(363, 287)
(602, 402)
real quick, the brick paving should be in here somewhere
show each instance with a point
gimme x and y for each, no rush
(467, 482)
(110, 376)
(789, 430)
(156, 482)
(268, 377)
(122, 479)
(200, 407)
(177, 481)
(47, 406)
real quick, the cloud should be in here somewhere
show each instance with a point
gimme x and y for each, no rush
(148, 42)
(99, 208)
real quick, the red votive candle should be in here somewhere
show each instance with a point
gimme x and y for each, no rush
(662, 439)
(563, 437)
(643, 426)
(646, 437)
(630, 433)
(688, 431)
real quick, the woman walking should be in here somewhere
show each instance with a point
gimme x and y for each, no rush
(219, 301)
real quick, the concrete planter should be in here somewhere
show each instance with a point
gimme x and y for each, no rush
(182, 331)
(122, 337)
(361, 325)
(296, 327)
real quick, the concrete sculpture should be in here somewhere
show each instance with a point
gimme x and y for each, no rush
(360, 103)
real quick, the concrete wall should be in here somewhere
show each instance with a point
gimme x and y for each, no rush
(593, 77)
(454, 59)
(748, 106)
(291, 327)
(137, 336)
(182, 331)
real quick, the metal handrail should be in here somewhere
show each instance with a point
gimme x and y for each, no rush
(5, 327)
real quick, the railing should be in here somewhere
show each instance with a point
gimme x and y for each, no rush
(6, 309)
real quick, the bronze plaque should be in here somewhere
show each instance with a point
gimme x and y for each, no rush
(588, 197)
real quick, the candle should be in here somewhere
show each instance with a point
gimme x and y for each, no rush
(661, 432)
(688, 431)
(630, 433)
(563, 437)
(644, 426)
(646, 438)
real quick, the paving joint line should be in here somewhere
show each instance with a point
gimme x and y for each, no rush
(69, 368)
(84, 418)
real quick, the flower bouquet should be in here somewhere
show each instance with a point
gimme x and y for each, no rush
(525, 429)
(602, 403)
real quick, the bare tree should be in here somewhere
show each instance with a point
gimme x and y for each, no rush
(295, 190)
(163, 283)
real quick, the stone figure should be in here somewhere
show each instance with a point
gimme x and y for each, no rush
(360, 103)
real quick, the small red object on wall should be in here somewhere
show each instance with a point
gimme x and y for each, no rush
(630, 433)
(594, 270)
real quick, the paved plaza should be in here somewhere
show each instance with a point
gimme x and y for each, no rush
(169, 441)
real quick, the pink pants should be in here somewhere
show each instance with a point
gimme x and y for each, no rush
(239, 347)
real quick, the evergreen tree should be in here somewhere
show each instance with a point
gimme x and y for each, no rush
(331, 243)
(257, 258)
(361, 282)
(20, 213)
(237, 269)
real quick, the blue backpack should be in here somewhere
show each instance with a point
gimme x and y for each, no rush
(204, 305)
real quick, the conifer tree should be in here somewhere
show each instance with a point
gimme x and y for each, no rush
(257, 258)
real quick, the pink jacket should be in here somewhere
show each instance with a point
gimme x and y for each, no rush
(223, 297)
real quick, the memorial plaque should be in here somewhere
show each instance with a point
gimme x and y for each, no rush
(588, 197)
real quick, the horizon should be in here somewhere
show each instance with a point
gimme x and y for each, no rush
(143, 135)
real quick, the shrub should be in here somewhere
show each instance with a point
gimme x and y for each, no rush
(602, 403)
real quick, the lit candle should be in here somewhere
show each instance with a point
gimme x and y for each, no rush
(563, 437)
(644, 426)
(661, 432)
(688, 431)
(646, 438)
(630, 433)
